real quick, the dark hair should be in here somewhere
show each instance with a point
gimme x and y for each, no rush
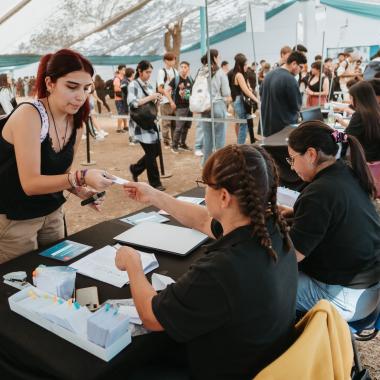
(318, 135)
(141, 66)
(185, 63)
(4, 80)
(300, 48)
(341, 53)
(169, 56)
(318, 57)
(240, 61)
(262, 61)
(352, 81)
(57, 65)
(375, 83)
(129, 72)
(316, 65)
(298, 57)
(327, 60)
(249, 173)
(121, 67)
(224, 63)
(98, 82)
(213, 55)
(366, 105)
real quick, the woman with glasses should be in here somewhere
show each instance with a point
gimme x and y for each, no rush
(234, 308)
(336, 229)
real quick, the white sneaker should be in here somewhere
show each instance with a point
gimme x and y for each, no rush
(198, 153)
(103, 133)
(99, 137)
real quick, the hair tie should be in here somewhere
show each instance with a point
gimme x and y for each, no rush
(339, 137)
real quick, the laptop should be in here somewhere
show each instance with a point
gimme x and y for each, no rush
(163, 238)
(313, 113)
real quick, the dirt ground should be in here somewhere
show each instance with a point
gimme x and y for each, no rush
(115, 154)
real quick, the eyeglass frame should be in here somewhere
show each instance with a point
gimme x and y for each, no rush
(290, 159)
(200, 183)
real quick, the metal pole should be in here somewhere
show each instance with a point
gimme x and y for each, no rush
(321, 73)
(209, 78)
(88, 156)
(256, 75)
(202, 17)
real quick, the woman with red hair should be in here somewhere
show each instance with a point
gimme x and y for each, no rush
(37, 147)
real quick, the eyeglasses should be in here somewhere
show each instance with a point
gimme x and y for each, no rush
(290, 159)
(203, 184)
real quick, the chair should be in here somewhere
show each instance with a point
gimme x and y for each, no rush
(323, 349)
(374, 168)
(313, 113)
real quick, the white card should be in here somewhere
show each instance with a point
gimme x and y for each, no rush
(119, 180)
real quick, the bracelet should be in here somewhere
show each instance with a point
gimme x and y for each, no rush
(71, 179)
(83, 175)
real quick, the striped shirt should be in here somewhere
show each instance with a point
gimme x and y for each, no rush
(135, 93)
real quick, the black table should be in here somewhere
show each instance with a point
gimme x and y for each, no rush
(27, 351)
(277, 146)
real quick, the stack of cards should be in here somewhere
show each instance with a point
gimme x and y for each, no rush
(106, 326)
(59, 281)
(143, 217)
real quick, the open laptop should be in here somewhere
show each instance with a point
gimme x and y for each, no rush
(313, 113)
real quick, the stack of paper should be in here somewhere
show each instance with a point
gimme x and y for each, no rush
(286, 197)
(142, 217)
(192, 200)
(59, 281)
(100, 265)
(106, 325)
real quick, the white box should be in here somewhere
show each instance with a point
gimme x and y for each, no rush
(105, 354)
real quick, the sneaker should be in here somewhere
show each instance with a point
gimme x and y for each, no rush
(185, 147)
(126, 129)
(99, 137)
(198, 153)
(134, 176)
(104, 133)
(160, 187)
(132, 143)
(119, 131)
(174, 149)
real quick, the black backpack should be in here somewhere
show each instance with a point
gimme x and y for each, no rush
(109, 88)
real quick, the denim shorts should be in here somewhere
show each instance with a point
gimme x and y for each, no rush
(120, 107)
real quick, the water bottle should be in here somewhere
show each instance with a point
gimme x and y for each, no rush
(330, 116)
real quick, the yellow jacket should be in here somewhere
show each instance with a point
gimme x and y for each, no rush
(323, 350)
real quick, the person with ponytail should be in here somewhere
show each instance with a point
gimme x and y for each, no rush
(235, 307)
(37, 147)
(336, 229)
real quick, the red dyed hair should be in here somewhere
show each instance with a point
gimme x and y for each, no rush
(57, 65)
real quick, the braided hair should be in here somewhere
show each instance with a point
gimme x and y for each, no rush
(249, 173)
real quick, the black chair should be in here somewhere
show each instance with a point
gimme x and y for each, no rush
(313, 113)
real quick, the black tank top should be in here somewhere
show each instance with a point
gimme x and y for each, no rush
(315, 86)
(13, 200)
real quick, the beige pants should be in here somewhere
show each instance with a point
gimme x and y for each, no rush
(167, 126)
(18, 237)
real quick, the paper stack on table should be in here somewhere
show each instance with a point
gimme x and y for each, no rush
(192, 200)
(286, 197)
(100, 265)
(106, 325)
(142, 217)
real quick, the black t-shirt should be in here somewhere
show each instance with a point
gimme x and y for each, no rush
(181, 94)
(371, 147)
(337, 228)
(235, 306)
(280, 101)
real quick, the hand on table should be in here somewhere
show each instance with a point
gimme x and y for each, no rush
(127, 259)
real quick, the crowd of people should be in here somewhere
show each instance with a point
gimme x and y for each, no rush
(234, 309)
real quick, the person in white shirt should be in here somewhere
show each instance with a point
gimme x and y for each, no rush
(6, 95)
(167, 106)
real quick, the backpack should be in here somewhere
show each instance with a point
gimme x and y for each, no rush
(200, 95)
(109, 88)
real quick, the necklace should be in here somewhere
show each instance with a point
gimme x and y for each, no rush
(55, 127)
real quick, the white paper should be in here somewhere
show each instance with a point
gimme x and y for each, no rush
(192, 200)
(119, 180)
(160, 282)
(100, 265)
(286, 197)
(131, 312)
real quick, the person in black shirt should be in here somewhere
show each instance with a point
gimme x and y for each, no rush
(365, 122)
(181, 86)
(336, 229)
(280, 96)
(235, 307)
(37, 147)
